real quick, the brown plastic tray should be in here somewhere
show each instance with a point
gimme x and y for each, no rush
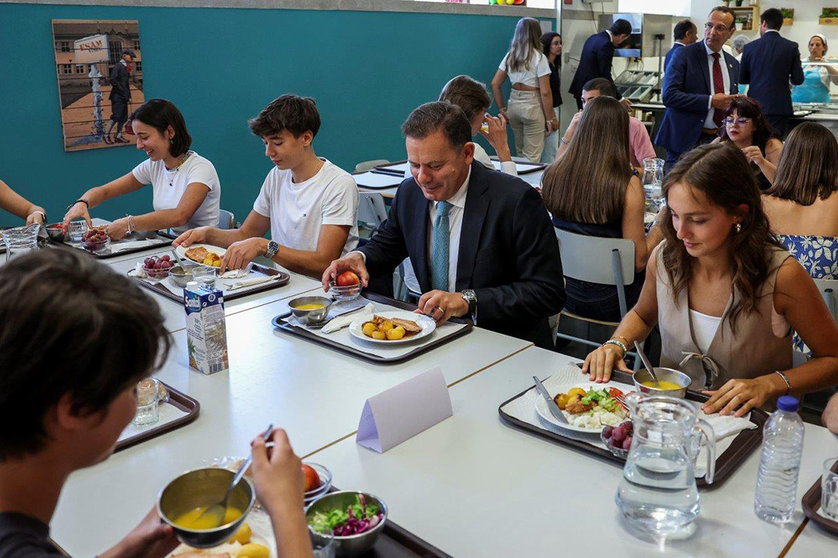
(524, 167)
(812, 503)
(397, 542)
(280, 323)
(180, 400)
(726, 463)
(238, 293)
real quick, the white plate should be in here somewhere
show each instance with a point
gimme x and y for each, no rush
(427, 324)
(262, 533)
(554, 390)
(181, 251)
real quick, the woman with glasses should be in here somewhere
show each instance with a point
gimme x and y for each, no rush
(725, 294)
(745, 126)
(530, 107)
(817, 75)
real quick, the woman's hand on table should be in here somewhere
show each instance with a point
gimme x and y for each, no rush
(354, 262)
(442, 305)
(601, 361)
(241, 253)
(150, 539)
(277, 473)
(76, 211)
(739, 396)
(118, 229)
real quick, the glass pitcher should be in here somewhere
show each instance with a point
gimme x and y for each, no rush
(652, 183)
(658, 493)
(21, 240)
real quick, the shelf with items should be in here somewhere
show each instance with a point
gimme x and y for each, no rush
(829, 16)
(637, 85)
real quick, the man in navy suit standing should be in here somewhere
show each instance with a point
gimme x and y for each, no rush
(699, 85)
(596, 58)
(685, 33)
(481, 242)
(768, 64)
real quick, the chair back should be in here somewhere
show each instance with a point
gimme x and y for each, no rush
(371, 210)
(829, 291)
(365, 166)
(608, 261)
(226, 219)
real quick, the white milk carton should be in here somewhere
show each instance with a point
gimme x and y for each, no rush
(206, 329)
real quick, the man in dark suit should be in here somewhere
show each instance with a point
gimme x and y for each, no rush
(480, 241)
(596, 58)
(685, 33)
(120, 96)
(699, 85)
(768, 64)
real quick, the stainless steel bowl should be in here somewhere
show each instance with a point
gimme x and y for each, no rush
(181, 275)
(204, 487)
(310, 317)
(55, 233)
(668, 374)
(354, 545)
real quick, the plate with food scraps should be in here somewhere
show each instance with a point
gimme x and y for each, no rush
(202, 254)
(588, 406)
(396, 327)
(255, 537)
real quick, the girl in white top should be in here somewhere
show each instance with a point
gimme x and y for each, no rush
(530, 101)
(186, 191)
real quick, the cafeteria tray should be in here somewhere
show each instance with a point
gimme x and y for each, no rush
(238, 293)
(812, 504)
(523, 167)
(377, 180)
(280, 323)
(159, 240)
(726, 463)
(178, 400)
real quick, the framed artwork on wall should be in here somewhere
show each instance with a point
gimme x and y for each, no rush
(100, 80)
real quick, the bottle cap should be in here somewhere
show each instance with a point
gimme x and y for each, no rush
(788, 403)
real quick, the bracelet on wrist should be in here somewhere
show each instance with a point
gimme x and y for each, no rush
(41, 213)
(131, 227)
(618, 343)
(785, 379)
(564, 141)
(80, 200)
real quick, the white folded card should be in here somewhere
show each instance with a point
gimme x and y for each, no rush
(403, 411)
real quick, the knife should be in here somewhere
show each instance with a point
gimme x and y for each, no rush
(554, 409)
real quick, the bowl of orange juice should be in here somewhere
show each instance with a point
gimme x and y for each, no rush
(184, 500)
(311, 310)
(671, 382)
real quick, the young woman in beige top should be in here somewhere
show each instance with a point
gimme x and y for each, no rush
(725, 294)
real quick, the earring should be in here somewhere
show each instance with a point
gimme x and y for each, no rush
(171, 141)
(738, 228)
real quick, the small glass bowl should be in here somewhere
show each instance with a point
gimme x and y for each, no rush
(343, 294)
(158, 274)
(618, 452)
(325, 482)
(96, 246)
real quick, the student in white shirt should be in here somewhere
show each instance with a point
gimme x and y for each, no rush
(185, 186)
(309, 205)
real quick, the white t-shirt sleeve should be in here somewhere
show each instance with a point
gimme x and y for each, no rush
(143, 172)
(341, 206)
(502, 65)
(262, 205)
(543, 67)
(204, 173)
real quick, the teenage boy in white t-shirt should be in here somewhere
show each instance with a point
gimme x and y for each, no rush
(309, 204)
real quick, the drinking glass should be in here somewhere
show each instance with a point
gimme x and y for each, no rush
(76, 230)
(205, 276)
(829, 488)
(652, 183)
(21, 240)
(148, 402)
(324, 547)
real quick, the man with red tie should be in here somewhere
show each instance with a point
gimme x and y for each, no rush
(698, 86)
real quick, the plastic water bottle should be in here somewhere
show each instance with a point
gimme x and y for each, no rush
(779, 464)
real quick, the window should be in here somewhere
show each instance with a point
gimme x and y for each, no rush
(115, 51)
(139, 66)
(136, 44)
(79, 68)
(66, 68)
(63, 46)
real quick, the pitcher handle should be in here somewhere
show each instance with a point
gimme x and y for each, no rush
(703, 427)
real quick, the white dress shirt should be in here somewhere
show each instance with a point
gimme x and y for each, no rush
(708, 121)
(455, 225)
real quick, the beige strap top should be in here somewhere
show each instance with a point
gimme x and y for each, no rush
(762, 343)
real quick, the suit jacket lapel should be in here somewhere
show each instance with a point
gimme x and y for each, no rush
(474, 213)
(701, 57)
(417, 244)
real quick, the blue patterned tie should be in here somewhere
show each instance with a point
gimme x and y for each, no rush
(439, 247)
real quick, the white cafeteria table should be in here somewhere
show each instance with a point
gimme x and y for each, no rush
(473, 486)
(314, 392)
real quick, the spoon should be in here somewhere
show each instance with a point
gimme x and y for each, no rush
(646, 363)
(179, 259)
(219, 510)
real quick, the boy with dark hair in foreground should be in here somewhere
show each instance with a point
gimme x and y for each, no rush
(75, 340)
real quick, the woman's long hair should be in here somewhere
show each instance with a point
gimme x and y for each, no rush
(749, 108)
(808, 167)
(588, 184)
(525, 41)
(723, 174)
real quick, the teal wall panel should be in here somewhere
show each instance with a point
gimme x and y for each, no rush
(366, 70)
